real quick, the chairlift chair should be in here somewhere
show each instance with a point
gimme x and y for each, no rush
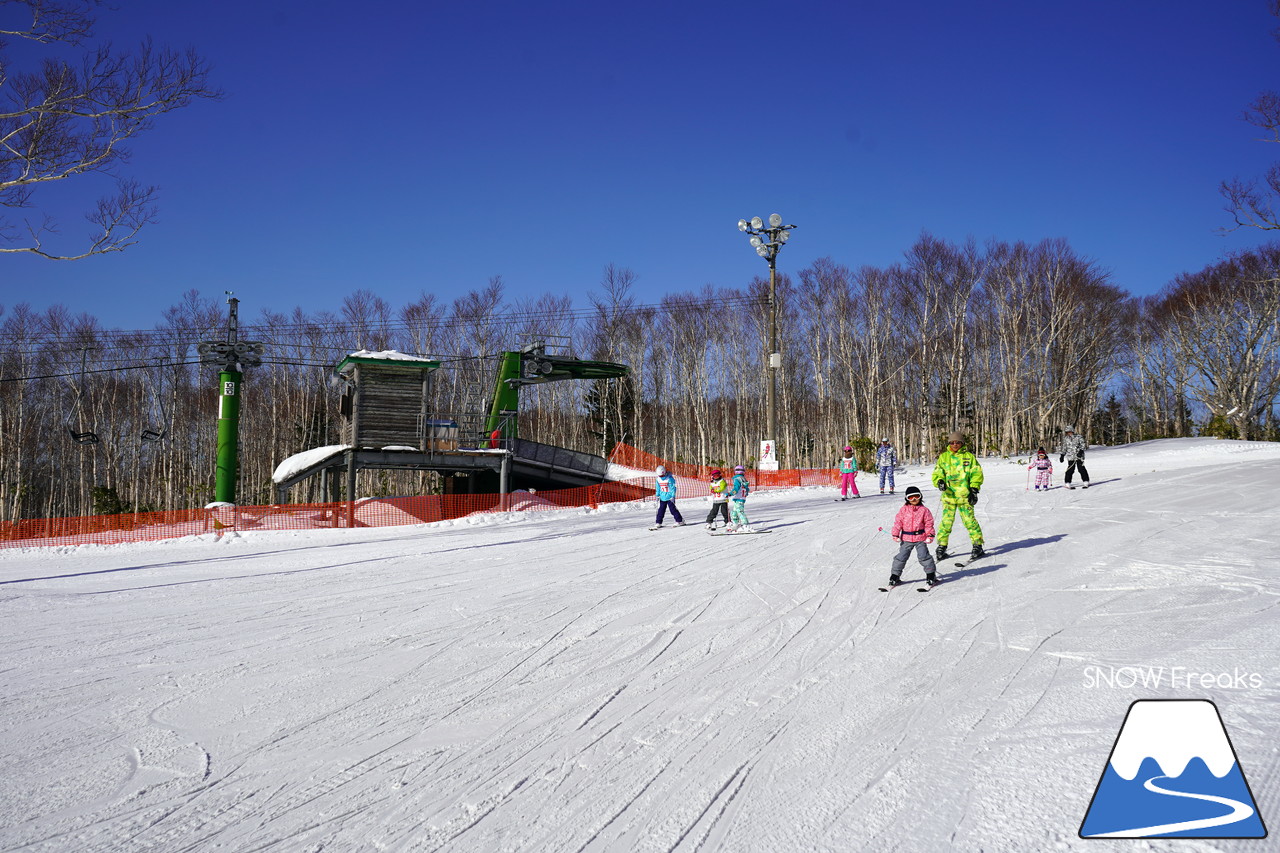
(156, 408)
(79, 436)
(83, 437)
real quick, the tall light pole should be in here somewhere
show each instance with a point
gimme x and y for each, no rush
(767, 242)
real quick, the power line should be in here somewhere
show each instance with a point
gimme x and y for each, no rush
(104, 339)
(447, 362)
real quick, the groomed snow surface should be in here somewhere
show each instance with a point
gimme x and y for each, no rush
(571, 681)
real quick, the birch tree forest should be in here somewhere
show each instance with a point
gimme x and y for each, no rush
(1008, 342)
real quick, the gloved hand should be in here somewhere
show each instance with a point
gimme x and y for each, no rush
(1062, 457)
(973, 497)
(941, 485)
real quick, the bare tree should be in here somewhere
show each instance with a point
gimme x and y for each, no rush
(71, 119)
(1224, 323)
(1254, 203)
(1156, 379)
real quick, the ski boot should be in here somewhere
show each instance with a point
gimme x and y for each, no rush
(941, 553)
(931, 579)
(977, 553)
(894, 580)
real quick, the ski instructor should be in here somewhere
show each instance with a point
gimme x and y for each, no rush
(959, 477)
(1072, 452)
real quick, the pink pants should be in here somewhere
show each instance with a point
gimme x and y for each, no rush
(846, 483)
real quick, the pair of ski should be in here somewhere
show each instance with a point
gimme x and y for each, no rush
(924, 588)
(927, 587)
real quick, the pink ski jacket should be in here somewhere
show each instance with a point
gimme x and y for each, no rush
(913, 523)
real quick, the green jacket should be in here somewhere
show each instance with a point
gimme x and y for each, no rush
(718, 489)
(960, 471)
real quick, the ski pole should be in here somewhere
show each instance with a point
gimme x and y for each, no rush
(1028, 488)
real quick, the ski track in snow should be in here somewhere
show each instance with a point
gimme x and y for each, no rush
(570, 681)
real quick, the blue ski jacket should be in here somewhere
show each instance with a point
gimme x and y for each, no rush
(666, 487)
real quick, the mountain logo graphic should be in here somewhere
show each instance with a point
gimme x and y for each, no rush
(1173, 773)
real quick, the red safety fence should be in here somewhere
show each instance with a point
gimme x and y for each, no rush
(693, 481)
(632, 457)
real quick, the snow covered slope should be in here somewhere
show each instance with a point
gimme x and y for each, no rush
(572, 681)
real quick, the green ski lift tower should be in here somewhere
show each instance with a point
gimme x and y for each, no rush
(533, 365)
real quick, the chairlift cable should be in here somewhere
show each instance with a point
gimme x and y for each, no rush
(87, 372)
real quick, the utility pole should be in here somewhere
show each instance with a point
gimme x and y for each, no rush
(231, 355)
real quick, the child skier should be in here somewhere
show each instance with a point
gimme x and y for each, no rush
(848, 473)
(719, 500)
(913, 531)
(738, 492)
(1043, 466)
(665, 485)
(886, 461)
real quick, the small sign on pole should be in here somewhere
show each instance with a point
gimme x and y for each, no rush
(768, 455)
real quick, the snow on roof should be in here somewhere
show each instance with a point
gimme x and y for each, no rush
(389, 356)
(301, 461)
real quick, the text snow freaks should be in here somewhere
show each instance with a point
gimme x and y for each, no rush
(1173, 677)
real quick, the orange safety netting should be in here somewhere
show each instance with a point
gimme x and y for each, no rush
(632, 457)
(694, 482)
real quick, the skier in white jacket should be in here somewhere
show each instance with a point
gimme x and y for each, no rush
(1072, 452)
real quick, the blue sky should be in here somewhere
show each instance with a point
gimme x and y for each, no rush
(425, 147)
